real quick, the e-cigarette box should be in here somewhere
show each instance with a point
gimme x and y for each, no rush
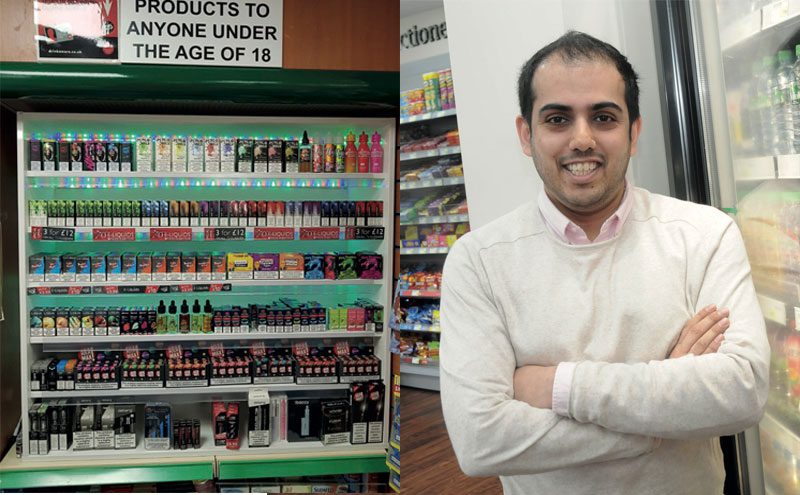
(275, 154)
(76, 150)
(196, 152)
(179, 155)
(212, 155)
(163, 154)
(48, 155)
(291, 165)
(244, 155)
(335, 422)
(144, 154)
(62, 156)
(113, 156)
(100, 156)
(35, 155)
(261, 157)
(227, 149)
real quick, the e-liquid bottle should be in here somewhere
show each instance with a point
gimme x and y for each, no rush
(185, 320)
(208, 318)
(304, 152)
(317, 158)
(350, 154)
(339, 154)
(363, 153)
(172, 318)
(197, 318)
(329, 155)
(376, 155)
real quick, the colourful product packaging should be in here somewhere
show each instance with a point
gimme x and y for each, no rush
(195, 154)
(164, 213)
(218, 412)
(224, 213)
(146, 213)
(114, 267)
(89, 157)
(240, 266)
(100, 321)
(292, 266)
(129, 268)
(74, 322)
(62, 156)
(227, 155)
(174, 213)
(98, 268)
(346, 266)
(35, 322)
(213, 213)
(194, 213)
(144, 267)
(179, 154)
(101, 156)
(188, 266)
(212, 155)
(83, 268)
(163, 154)
(314, 267)
(173, 266)
(275, 156)
(203, 266)
(108, 214)
(204, 213)
(185, 213)
(261, 156)
(35, 155)
(252, 210)
(158, 268)
(244, 155)
(262, 209)
(52, 268)
(116, 213)
(219, 265)
(291, 161)
(48, 155)
(36, 268)
(266, 266)
(144, 154)
(125, 157)
(76, 150)
(68, 268)
(87, 322)
(369, 265)
(329, 266)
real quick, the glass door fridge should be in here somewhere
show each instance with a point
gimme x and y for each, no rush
(730, 76)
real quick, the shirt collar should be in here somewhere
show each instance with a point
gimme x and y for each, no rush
(570, 233)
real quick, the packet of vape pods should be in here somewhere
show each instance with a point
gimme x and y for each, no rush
(212, 155)
(179, 154)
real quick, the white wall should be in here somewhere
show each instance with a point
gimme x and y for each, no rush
(489, 42)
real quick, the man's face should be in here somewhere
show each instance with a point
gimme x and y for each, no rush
(579, 133)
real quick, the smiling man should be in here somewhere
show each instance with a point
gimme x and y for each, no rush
(600, 339)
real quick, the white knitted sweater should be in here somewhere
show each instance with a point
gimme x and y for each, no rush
(514, 295)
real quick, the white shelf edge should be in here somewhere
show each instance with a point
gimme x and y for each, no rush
(775, 428)
(439, 114)
(431, 183)
(192, 337)
(418, 155)
(460, 218)
(419, 369)
(440, 250)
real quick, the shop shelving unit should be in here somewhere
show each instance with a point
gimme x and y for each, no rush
(414, 373)
(281, 458)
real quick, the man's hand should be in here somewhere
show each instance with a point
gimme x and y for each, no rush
(534, 385)
(703, 334)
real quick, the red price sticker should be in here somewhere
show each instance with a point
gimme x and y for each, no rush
(273, 233)
(162, 234)
(319, 233)
(36, 233)
(74, 291)
(209, 234)
(216, 350)
(175, 351)
(43, 291)
(114, 235)
(215, 288)
(111, 289)
(151, 289)
(186, 288)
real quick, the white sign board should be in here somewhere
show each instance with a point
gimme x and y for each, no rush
(423, 35)
(242, 33)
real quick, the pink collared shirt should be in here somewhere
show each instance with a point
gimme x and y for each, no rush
(568, 232)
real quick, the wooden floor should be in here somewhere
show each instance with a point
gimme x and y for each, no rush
(427, 462)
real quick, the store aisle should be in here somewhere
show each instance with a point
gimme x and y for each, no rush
(428, 463)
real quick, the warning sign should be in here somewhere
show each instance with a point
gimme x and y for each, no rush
(76, 29)
(248, 33)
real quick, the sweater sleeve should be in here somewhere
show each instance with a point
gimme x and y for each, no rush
(693, 396)
(493, 434)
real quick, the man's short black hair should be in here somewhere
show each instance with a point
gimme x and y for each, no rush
(574, 46)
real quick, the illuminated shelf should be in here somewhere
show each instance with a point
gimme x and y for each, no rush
(425, 250)
(205, 233)
(171, 287)
(430, 294)
(406, 327)
(161, 391)
(429, 183)
(199, 337)
(416, 155)
(437, 219)
(152, 179)
(755, 168)
(428, 116)
(419, 366)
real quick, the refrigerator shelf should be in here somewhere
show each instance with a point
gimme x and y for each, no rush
(205, 233)
(425, 250)
(788, 166)
(764, 20)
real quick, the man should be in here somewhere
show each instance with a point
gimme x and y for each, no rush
(582, 347)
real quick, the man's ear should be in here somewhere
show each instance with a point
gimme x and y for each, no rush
(524, 134)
